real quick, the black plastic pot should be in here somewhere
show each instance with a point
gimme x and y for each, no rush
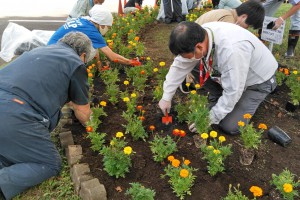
(290, 107)
(279, 136)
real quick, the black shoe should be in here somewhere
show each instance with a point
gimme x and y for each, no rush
(168, 21)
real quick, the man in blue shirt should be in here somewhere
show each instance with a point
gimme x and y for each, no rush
(94, 26)
(33, 89)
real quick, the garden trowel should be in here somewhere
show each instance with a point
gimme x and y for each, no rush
(166, 119)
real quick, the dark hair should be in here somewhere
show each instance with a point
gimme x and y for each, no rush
(185, 36)
(255, 12)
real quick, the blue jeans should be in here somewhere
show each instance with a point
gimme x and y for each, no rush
(27, 154)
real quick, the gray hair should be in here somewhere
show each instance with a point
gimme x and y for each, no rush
(80, 43)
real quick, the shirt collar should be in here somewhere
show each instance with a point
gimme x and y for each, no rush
(210, 43)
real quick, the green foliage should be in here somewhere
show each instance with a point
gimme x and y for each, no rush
(161, 147)
(158, 91)
(250, 136)
(236, 194)
(180, 182)
(97, 140)
(198, 112)
(138, 76)
(293, 82)
(116, 162)
(215, 153)
(139, 192)
(135, 128)
(285, 183)
(280, 77)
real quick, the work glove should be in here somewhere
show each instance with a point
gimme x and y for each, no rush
(165, 106)
(192, 128)
(135, 63)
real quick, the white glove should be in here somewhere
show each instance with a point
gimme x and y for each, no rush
(164, 106)
(192, 128)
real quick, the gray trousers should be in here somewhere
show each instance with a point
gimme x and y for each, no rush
(27, 154)
(248, 103)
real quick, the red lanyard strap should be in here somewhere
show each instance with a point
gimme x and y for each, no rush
(201, 69)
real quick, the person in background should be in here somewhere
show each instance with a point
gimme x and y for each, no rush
(94, 26)
(271, 7)
(132, 6)
(234, 87)
(229, 4)
(82, 8)
(33, 89)
(250, 13)
(172, 11)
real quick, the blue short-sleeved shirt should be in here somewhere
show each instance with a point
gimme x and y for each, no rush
(81, 25)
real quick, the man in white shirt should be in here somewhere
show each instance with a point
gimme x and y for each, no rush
(245, 66)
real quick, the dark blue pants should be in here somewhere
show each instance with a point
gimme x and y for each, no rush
(27, 154)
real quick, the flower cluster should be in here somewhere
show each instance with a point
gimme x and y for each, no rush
(117, 156)
(181, 176)
(293, 82)
(251, 137)
(215, 152)
(285, 184)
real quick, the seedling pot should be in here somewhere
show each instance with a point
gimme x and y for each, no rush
(279, 136)
(290, 107)
(246, 156)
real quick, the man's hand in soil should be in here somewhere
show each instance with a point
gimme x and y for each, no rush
(165, 106)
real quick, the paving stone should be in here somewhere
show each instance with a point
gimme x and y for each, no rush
(66, 139)
(92, 190)
(77, 171)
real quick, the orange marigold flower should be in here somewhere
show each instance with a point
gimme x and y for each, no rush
(176, 132)
(90, 75)
(262, 126)
(171, 158)
(136, 38)
(175, 163)
(247, 116)
(182, 133)
(152, 128)
(257, 191)
(286, 71)
(187, 162)
(184, 173)
(89, 129)
(142, 72)
(142, 118)
(139, 107)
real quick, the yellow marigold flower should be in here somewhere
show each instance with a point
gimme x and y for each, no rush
(197, 86)
(108, 41)
(126, 99)
(204, 136)
(162, 64)
(287, 187)
(257, 191)
(126, 82)
(112, 143)
(262, 126)
(148, 58)
(216, 151)
(187, 162)
(128, 150)
(193, 92)
(184, 173)
(171, 158)
(175, 163)
(247, 116)
(119, 134)
(213, 134)
(210, 147)
(222, 139)
(188, 84)
(241, 123)
(133, 95)
(295, 72)
(155, 69)
(102, 103)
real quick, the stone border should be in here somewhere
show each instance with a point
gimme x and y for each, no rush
(85, 185)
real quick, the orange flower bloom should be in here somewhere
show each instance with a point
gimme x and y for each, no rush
(187, 162)
(175, 163)
(90, 75)
(182, 133)
(89, 129)
(171, 158)
(139, 107)
(257, 191)
(142, 72)
(142, 118)
(176, 132)
(184, 173)
(247, 116)
(241, 123)
(262, 126)
(136, 38)
(152, 128)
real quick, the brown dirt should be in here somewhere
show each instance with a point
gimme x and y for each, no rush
(270, 158)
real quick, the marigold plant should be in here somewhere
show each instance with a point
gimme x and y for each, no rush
(180, 176)
(293, 82)
(236, 194)
(138, 192)
(286, 184)
(161, 147)
(215, 152)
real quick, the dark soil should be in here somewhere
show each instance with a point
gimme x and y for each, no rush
(270, 157)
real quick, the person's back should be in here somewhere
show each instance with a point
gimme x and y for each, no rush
(82, 7)
(221, 15)
(229, 4)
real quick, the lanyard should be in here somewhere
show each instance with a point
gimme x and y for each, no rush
(203, 65)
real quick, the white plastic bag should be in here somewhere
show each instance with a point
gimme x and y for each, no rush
(16, 38)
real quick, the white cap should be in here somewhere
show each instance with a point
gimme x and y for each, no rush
(101, 15)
